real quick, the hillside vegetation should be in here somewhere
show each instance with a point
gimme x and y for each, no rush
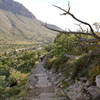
(72, 61)
(21, 28)
(73, 58)
(18, 26)
(15, 69)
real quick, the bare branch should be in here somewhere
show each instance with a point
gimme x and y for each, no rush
(68, 6)
(88, 40)
(89, 45)
(79, 36)
(70, 56)
(87, 30)
(80, 27)
(66, 32)
(85, 23)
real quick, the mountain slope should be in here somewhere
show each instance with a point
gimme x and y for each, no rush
(18, 24)
(15, 8)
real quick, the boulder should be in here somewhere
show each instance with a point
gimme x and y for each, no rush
(98, 81)
(81, 90)
(78, 91)
(95, 92)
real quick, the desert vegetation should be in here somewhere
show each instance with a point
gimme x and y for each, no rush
(69, 55)
(74, 55)
(14, 71)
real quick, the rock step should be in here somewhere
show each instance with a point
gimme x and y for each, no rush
(43, 88)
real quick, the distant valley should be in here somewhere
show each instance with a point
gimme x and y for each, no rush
(18, 26)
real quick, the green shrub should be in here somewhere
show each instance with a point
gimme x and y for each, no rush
(14, 71)
(94, 72)
(13, 91)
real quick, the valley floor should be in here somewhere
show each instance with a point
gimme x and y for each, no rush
(41, 88)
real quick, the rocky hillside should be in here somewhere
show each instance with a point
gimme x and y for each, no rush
(77, 69)
(17, 24)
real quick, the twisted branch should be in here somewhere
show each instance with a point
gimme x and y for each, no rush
(66, 32)
(85, 23)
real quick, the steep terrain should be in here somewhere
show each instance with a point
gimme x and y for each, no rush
(77, 68)
(41, 88)
(18, 25)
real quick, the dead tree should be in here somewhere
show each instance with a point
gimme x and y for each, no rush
(94, 37)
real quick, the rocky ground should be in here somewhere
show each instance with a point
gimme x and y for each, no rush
(41, 88)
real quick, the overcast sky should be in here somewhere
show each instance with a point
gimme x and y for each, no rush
(86, 10)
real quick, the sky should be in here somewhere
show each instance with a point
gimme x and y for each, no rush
(86, 10)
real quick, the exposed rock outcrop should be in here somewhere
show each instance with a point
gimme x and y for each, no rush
(95, 92)
(82, 91)
(79, 91)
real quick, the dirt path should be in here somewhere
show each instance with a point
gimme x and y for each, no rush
(41, 88)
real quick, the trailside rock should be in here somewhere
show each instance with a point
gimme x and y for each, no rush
(95, 92)
(98, 81)
(79, 91)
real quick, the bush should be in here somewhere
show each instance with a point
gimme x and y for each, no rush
(14, 71)
(94, 72)
(13, 91)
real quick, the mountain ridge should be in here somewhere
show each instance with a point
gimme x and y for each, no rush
(18, 24)
(15, 8)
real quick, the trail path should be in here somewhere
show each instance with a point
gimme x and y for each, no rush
(41, 88)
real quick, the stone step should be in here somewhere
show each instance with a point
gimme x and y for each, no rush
(43, 89)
